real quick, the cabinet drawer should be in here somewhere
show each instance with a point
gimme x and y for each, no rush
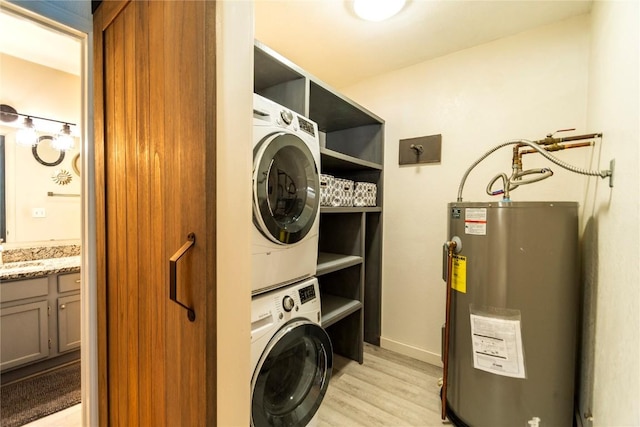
(69, 282)
(22, 289)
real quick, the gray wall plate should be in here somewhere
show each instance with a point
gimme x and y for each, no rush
(423, 149)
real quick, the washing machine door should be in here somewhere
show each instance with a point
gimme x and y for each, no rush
(286, 188)
(292, 376)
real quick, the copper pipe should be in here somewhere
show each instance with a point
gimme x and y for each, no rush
(558, 147)
(517, 159)
(451, 246)
(551, 140)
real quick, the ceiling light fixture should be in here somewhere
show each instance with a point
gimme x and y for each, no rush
(377, 10)
(28, 135)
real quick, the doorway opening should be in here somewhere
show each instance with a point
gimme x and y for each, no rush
(43, 74)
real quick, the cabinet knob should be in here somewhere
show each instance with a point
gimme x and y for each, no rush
(63, 306)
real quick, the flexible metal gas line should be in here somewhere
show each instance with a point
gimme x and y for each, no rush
(539, 149)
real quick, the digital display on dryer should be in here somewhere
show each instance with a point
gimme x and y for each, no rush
(307, 294)
(306, 126)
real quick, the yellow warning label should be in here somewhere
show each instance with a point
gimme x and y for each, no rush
(459, 274)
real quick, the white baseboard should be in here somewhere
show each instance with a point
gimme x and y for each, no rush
(408, 350)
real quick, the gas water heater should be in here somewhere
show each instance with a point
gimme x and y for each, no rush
(513, 293)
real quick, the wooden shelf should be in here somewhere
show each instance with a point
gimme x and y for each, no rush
(336, 308)
(328, 263)
(336, 161)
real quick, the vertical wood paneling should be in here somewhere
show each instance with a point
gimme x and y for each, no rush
(118, 256)
(129, 188)
(145, 216)
(184, 134)
(112, 232)
(158, 277)
(156, 163)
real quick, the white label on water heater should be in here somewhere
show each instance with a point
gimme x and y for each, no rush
(497, 346)
(475, 221)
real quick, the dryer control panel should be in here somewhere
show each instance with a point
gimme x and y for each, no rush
(307, 294)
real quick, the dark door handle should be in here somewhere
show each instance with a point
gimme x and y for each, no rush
(173, 267)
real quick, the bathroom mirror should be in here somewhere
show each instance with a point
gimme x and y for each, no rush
(37, 208)
(3, 216)
(45, 154)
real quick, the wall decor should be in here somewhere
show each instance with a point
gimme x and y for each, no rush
(45, 154)
(75, 164)
(61, 177)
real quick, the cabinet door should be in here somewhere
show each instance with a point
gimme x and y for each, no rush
(68, 323)
(24, 334)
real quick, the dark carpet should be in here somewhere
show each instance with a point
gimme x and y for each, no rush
(27, 400)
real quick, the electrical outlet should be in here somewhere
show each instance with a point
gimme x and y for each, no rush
(38, 213)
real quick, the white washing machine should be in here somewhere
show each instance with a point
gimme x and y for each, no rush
(291, 356)
(286, 196)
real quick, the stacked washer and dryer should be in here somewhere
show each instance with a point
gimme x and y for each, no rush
(291, 355)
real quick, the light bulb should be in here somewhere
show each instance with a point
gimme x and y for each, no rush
(63, 140)
(27, 134)
(377, 10)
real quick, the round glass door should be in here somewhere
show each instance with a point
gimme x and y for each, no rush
(286, 188)
(292, 376)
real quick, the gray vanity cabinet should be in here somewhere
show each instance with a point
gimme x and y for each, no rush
(24, 323)
(68, 323)
(68, 311)
(40, 319)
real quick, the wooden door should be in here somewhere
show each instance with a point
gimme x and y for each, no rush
(155, 184)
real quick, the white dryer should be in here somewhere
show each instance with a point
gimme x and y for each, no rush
(286, 196)
(291, 356)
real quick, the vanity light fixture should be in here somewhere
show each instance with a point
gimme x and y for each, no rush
(377, 10)
(63, 140)
(27, 134)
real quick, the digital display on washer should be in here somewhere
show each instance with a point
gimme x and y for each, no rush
(307, 293)
(306, 126)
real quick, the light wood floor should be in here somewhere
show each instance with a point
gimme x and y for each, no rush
(388, 389)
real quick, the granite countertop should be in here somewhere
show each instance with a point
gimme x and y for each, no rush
(39, 267)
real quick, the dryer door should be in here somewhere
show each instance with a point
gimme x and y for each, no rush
(286, 188)
(292, 376)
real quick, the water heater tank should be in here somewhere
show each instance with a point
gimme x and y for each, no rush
(513, 318)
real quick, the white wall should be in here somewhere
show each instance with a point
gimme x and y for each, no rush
(517, 87)
(234, 80)
(611, 368)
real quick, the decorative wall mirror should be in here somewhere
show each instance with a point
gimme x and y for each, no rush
(45, 154)
(75, 164)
